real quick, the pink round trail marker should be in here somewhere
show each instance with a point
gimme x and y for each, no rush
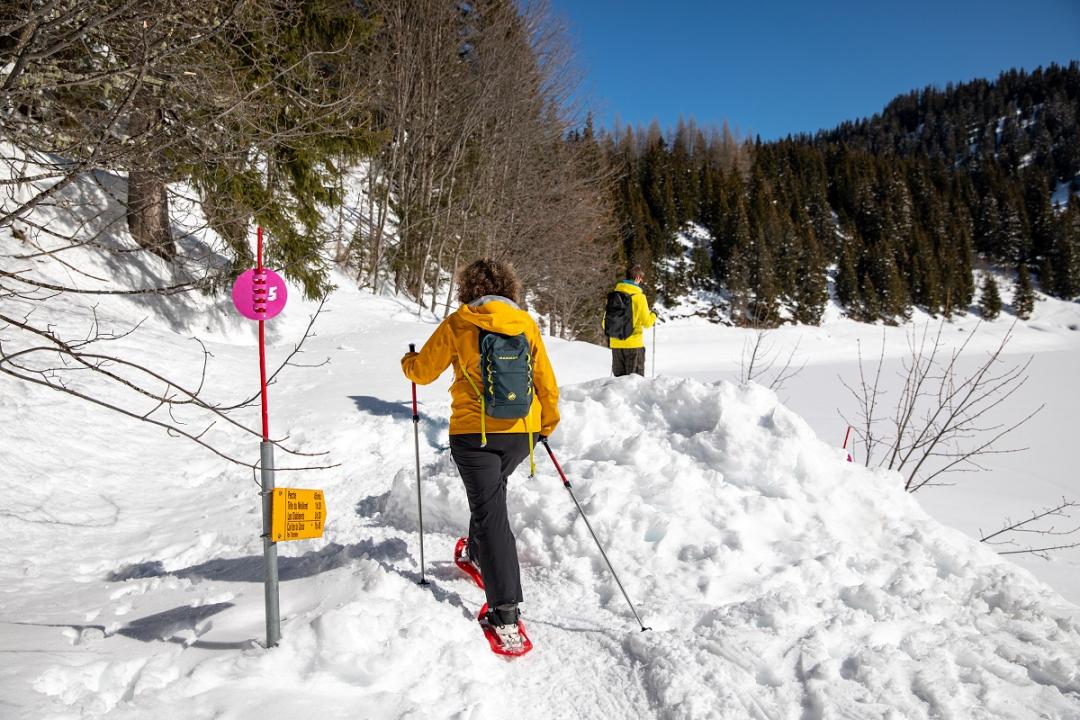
(259, 294)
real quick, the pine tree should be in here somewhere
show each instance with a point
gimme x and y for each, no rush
(871, 302)
(736, 265)
(925, 281)
(990, 300)
(1064, 256)
(1037, 202)
(847, 279)
(683, 178)
(989, 236)
(787, 254)
(1023, 294)
(701, 266)
(763, 310)
(811, 290)
(282, 169)
(1015, 232)
(894, 296)
(1047, 281)
(890, 288)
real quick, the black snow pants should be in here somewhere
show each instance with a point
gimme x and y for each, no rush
(484, 471)
(627, 360)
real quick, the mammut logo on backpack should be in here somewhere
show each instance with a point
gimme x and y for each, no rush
(507, 374)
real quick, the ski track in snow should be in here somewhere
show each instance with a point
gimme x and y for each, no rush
(779, 580)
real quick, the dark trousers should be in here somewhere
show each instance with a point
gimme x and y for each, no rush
(627, 360)
(484, 471)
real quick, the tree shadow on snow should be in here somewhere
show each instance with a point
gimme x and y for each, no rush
(383, 408)
(167, 625)
(95, 208)
(436, 571)
(388, 553)
(250, 568)
(372, 505)
(164, 626)
(434, 429)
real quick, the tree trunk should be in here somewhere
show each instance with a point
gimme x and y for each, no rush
(147, 198)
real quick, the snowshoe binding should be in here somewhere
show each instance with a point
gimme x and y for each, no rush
(504, 630)
(467, 565)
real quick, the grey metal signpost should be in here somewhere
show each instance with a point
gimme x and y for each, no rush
(270, 584)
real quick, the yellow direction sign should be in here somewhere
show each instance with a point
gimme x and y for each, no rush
(297, 514)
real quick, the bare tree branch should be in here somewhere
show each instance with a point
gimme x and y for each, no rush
(760, 360)
(1061, 510)
(938, 423)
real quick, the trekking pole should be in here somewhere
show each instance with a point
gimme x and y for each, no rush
(419, 499)
(566, 484)
(654, 350)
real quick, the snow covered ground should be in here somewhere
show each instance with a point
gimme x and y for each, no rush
(779, 580)
(1011, 486)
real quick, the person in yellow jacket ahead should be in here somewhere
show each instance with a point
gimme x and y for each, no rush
(486, 443)
(628, 353)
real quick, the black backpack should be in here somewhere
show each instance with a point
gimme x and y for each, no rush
(507, 374)
(619, 315)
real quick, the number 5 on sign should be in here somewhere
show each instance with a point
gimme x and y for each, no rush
(259, 294)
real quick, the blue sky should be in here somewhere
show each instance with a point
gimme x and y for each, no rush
(773, 68)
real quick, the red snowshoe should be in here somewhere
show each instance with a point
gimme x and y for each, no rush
(505, 640)
(462, 560)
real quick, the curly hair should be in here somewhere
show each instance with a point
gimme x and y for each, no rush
(488, 277)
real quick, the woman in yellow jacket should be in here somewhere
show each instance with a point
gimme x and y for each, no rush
(487, 449)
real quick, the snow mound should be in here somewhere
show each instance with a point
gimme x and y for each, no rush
(775, 575)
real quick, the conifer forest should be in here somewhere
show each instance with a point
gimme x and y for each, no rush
(898, 208)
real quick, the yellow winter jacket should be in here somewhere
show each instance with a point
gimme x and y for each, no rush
(457, 342)
(642, 318)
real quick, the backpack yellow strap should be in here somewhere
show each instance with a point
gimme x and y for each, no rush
(480, 397)
(532, 460)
